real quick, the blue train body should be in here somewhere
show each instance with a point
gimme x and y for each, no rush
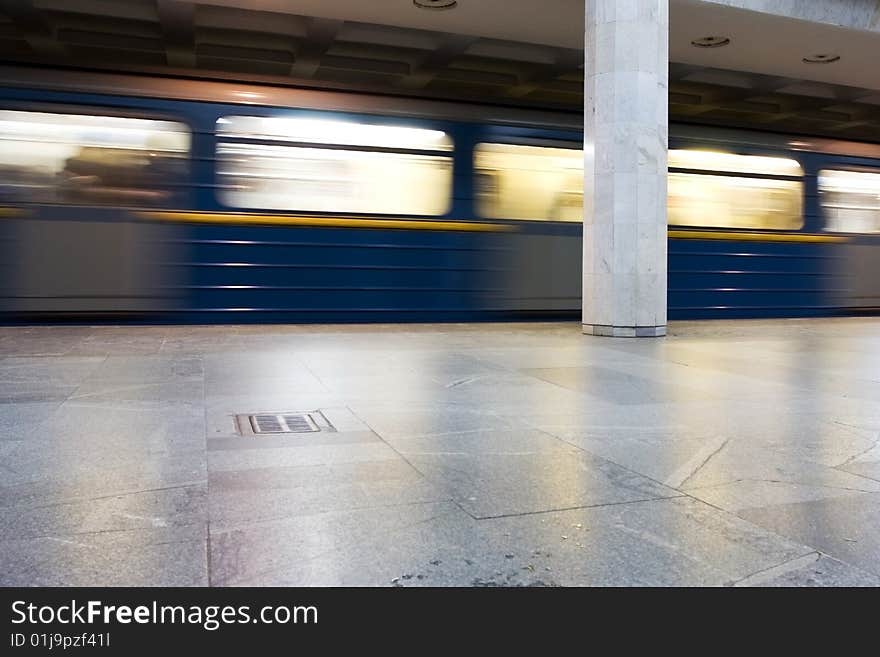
(254, 271)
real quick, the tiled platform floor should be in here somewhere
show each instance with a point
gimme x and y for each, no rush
(729, 453)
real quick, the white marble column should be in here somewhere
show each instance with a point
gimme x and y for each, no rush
(626, 67)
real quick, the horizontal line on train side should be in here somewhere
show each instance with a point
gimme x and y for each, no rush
(736, 174)
(771, 256)
(336, 288)
(240, 140)
(754, 290)
(334, 245)
(754, 236)
(542, 297)
(746, 272)
(81, 296)
(346, 309)
(758, 254)
(329, 222)
(284, 265)
(773, 307)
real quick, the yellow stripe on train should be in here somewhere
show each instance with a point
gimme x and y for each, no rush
(753, 236)
(431, 224)
(334, 222)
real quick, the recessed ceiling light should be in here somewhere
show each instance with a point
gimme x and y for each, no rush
(710, 42)
(821, 59)
(435, 4)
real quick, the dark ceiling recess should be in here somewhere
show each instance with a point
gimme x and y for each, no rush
(711, 42)
(821, 59)
(435, 4)
(179, 38)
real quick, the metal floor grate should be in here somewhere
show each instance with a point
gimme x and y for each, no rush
(282, 422)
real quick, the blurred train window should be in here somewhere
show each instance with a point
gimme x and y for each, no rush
(851, 201)
(90, 160)
(733, 162)
(529, 182)
(333, 165)
(770, 198)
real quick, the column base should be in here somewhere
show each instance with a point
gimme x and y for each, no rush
(625, 331)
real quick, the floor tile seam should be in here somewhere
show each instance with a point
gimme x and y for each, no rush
(579, 507)
(24, 507)
(608, 460)
(852, 459)
(226, 527)
(783, 481)
(755, 527)
(87, 378)
(112, 532)
(403, 457)
(776, 567)
(820, 554)
(335, 549)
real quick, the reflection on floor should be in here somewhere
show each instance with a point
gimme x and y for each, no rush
(729, 453)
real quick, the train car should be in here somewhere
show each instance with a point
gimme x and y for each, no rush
(137, 198)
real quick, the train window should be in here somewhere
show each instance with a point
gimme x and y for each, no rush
(851, 201)
(733, 163)
(529, 182)
(699, 194)
(333, 165)
(91, 160)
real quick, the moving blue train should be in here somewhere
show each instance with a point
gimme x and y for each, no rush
(154, 199)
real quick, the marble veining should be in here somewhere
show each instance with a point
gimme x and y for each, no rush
(625, 154)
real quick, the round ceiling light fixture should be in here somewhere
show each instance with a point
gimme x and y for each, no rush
(435, 4)
(822, 58)
(710, 42)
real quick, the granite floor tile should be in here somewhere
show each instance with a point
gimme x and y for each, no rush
(167, 507)
(846, 528)
(393, 420)
(736, 461)
(93, 430)
(812, 570)
(17, 419)
(254, 495)
(497, 473)
(867, 469)
(61, 371)
(147, 369)
(33, 482)
(32, 392)
(240, 554)
(304, 455)
(174, 556)
(677, 541)
(96, 391)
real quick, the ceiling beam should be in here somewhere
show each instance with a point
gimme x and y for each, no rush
(796, 107)
(425, 70)
(677, 70)
(718, 96)
(177, 19)
(320, 35)
(566, 61)
(34, 28)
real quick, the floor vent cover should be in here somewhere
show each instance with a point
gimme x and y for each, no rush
(258, 424)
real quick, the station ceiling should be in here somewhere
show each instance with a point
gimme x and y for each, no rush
(510, 51)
